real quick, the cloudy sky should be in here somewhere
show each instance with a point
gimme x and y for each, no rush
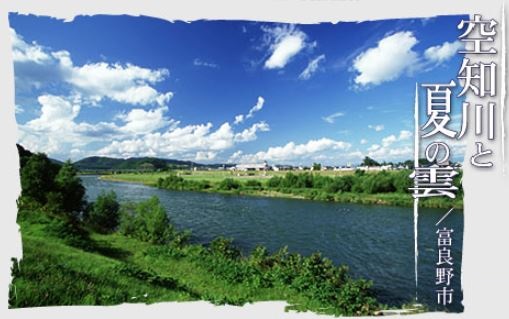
(225, 91)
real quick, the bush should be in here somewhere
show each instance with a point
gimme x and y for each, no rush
(224, 247)
(104, 214)
(146, 221)
(228, 184)
(274, 182)
(71, 232)
(253, 183)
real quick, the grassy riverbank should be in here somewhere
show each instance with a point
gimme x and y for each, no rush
(105, 253)
(378, 188)
(64, 267)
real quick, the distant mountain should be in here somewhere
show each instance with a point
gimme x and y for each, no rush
(135, 163)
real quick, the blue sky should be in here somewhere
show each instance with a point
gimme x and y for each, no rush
(226, 91)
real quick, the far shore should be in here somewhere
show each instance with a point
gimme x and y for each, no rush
(390, 199)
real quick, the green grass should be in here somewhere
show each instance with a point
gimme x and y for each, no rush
(215, 177)
(150, 178)
(117, 269)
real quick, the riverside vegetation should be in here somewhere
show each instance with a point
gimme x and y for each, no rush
(382, 188)
(102, 253)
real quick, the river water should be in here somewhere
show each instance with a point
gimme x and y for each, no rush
(376, 242)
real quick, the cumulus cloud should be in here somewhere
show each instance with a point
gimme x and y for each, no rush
(27, 52)
(139, 121)
(249, 134)
(139, 132)
(57, 129)
(443, 52)
(364, 141)
(387, 150)
(194, 142)
(393, 56)
(257, 107)
(284, 42)
(313, 149)
(148, 131)
(311, 68)
(56, 113)
(128, 83)
(332, 118)
(377, 127)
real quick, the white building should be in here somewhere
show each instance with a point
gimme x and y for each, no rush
(252, 167)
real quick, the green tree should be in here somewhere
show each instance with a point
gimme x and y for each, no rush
(104, 215)
(68, 184)
(37, 177)
(317, 166)
(368, 161)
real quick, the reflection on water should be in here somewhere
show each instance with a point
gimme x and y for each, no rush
(376, 242)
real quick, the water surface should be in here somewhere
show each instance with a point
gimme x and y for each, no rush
(376, 242)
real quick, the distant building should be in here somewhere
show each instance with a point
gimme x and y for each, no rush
(251, 167)
(278, 168)
(375, 168)
(343, 168)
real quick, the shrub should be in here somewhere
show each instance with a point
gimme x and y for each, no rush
(228, 184)
(104, 214)
(224, 247)
(274, 182)
(146, 221)
(402, 181)
(253, 183)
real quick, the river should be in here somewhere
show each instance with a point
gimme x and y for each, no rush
(376, 242)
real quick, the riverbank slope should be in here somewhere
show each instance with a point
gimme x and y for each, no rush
(319, 187)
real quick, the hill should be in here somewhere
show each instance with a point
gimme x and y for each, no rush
(133, 163)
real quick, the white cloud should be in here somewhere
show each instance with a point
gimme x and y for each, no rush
(332, 118)
(386, 141)
(311, 68)
(239, 119)
(249, 134)
(56, 113)
(364, 141)
(57, 131)
(392, 57)
(290, 152)
(195, 142)
(128, 83)
(139, 121)
(388, 151)
(18, 109)
(443, 52)
(27, 52)
(205, 156)
(257, 107)
(377, 127)
(404, 135)
(284, 43)
(200, 62)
